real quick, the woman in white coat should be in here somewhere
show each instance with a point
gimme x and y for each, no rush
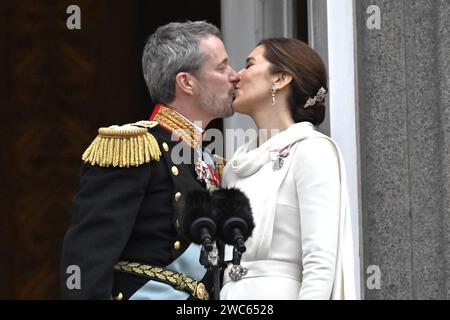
(302, 246)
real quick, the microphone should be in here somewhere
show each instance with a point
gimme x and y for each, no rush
(226, 211)
(233, 214)
(196, 220)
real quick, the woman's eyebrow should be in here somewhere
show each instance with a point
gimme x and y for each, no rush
(249, 59)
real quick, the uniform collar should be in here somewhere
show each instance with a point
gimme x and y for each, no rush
(177, 124)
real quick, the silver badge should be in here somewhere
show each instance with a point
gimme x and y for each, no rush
(278, 164)
(277, 156)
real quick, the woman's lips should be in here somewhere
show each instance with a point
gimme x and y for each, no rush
(235, 93)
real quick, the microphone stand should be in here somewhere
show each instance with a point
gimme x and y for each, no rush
(237, 255)
(217, 269)
(215, 266)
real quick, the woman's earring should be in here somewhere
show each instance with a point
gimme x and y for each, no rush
(273, 95)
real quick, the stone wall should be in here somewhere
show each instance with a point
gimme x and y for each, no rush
(404, 105)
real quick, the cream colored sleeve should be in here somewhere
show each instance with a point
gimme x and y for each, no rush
(316, 172)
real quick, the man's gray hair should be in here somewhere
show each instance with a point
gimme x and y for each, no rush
(173, 48)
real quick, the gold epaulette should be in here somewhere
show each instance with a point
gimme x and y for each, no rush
(122, 146)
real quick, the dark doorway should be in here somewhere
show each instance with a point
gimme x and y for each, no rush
(301, 7)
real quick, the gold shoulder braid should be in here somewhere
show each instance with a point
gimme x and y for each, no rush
(122, 146)
(177, 280)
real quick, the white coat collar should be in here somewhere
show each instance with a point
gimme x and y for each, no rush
(247, 159)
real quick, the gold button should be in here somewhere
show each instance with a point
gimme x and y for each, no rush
(177, 196)
(175, 171)
(201, 292)
(177, 245)
(165, 147)
(119, 296)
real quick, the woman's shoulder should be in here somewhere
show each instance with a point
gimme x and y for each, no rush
(316, 146)
(316, 157)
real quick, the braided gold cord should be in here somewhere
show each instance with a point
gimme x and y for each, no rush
(172, 121)
(176, 279)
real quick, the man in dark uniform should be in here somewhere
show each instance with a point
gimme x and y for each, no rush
(124, 241)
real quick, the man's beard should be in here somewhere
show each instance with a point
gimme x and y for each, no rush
(216, 107)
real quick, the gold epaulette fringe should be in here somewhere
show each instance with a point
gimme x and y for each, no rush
(125, 146)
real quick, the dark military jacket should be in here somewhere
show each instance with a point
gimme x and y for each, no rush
(131, 214)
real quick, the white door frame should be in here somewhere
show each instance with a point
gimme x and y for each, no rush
(344, 117)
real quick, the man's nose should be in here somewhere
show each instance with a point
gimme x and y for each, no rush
(234, 77)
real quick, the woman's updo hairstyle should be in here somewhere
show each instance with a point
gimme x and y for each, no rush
(307, 69)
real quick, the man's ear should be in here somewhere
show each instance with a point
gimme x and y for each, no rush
(282, 79)
(185, 82)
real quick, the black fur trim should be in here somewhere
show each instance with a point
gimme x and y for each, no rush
(228, 203)
(197, 204)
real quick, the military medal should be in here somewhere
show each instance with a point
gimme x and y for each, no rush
(205, 170)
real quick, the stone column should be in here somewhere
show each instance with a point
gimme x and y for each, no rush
(404, 72)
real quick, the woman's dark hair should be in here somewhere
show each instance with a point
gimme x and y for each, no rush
(308, 73)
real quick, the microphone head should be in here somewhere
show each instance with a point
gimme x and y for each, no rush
(195, 214)
(232, 210)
